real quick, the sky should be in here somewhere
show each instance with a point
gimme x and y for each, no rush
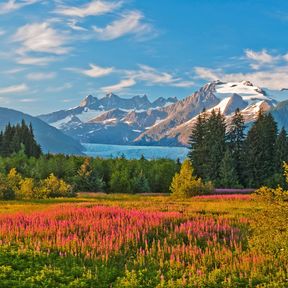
(54, 53)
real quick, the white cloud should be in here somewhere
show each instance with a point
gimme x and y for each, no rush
(28, 100)
(274, 78)
(207, 73)
(151, 76)
(40, 37)
(2, 32)
(94, 71)
(273, 73)
(13, 5)
(125, 83)
(93, 8)
(38, 76)
(38, 61)
(261, 56)
(65, 86)
(129, 23)
(13, 89)
(73, 25)
(13, 71)
(184, 84)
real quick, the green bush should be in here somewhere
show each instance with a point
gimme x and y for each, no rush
(184, 184)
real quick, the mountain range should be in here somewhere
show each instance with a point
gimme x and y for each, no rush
(138, 121)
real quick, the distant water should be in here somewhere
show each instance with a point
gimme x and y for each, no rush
(135, 152)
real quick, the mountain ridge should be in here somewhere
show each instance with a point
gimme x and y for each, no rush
(139, 121)
(50, 139)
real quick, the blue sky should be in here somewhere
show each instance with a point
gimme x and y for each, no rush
(53, 53)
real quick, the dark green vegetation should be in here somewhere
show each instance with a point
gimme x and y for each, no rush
(50, 139)
(15, 138)
(24, 170)
(229, 158)
(117, 175)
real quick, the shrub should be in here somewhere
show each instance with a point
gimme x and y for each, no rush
(184, 184)
(28, 189)
(52, 187)
(277, 194)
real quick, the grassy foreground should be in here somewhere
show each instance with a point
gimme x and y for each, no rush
(143, 241)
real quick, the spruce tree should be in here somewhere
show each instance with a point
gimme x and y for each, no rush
(14, 137)
(215, 145)
(197, 142)
(281, 150)
(259, 151)
(235, 138)
(228, 177)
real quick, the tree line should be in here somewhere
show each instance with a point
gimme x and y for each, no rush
(223, 152)
(15, 138)
(117, 175)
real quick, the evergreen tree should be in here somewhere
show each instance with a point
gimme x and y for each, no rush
(215, 145)
(141, 184)
(281, 150)
(259, 154)
(228, 177)
(198, 146)
(235, 138)
(14, 137)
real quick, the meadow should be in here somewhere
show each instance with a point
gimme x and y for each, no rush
(99, 240)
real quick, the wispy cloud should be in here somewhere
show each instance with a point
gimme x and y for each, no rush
(73, 24)
(260, 58)
(93, 8)
(13, 5)
(130, 23)
(38, 61)
(38, 76)
(28, 100)
(275, 78)
(14, 89)
(2, 32)
(271, 70)
(56, 89)
(125, 83)
(40, 37)
(14, 71)
(149, 76)
(152, 76)
(94, 71)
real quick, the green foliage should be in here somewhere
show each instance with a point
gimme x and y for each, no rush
(228, 177)
(96, 174)
(53, 187)
(278, 194)
(208, 145)
(252, 161)
(87, 178)
(184, 184)
(17, 138)
(14, 186)
(259, 152)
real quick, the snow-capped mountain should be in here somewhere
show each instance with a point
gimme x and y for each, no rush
(116, 120)
(91, 107)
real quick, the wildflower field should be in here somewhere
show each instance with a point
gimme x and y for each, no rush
(143, 241)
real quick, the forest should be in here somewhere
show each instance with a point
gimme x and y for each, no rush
(222, 155)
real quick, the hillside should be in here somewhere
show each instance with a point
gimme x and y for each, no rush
(51, 139)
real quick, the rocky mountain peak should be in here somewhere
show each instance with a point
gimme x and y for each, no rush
(247, 83)
(87, 101)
